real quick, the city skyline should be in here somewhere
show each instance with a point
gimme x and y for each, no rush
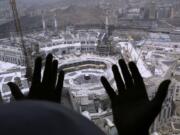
(87, 41)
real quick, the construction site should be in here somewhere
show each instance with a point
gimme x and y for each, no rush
(87, 51)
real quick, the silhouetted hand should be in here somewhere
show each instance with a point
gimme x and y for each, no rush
(47, 89)
(133, 113)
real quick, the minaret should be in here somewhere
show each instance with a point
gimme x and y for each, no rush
(107, 25)
(55, 22)
(172, 13)
(43, 23)
(12, 37)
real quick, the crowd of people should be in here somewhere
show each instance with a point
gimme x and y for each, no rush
(39, 112)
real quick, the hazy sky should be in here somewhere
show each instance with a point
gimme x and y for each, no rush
(36, 3)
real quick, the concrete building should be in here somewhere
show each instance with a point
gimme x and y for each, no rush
(15, 76)
(11, 54)
(164, 12)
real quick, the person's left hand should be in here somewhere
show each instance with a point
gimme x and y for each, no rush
(47, 89)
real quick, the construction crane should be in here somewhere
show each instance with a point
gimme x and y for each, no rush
(22, 44)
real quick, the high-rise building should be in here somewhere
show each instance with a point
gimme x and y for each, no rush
(152, 11)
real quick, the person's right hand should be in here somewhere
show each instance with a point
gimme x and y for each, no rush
(133, 112)
(47, 89)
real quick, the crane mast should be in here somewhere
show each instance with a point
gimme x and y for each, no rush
(22, 44)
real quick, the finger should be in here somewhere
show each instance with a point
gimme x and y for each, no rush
(118, 79)
(138, 80)
(48, 69)
(126, 74)
(37, 71)
(59, 86)
(16, 92)
(108, 88)
(161, 93)
(54, 72)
